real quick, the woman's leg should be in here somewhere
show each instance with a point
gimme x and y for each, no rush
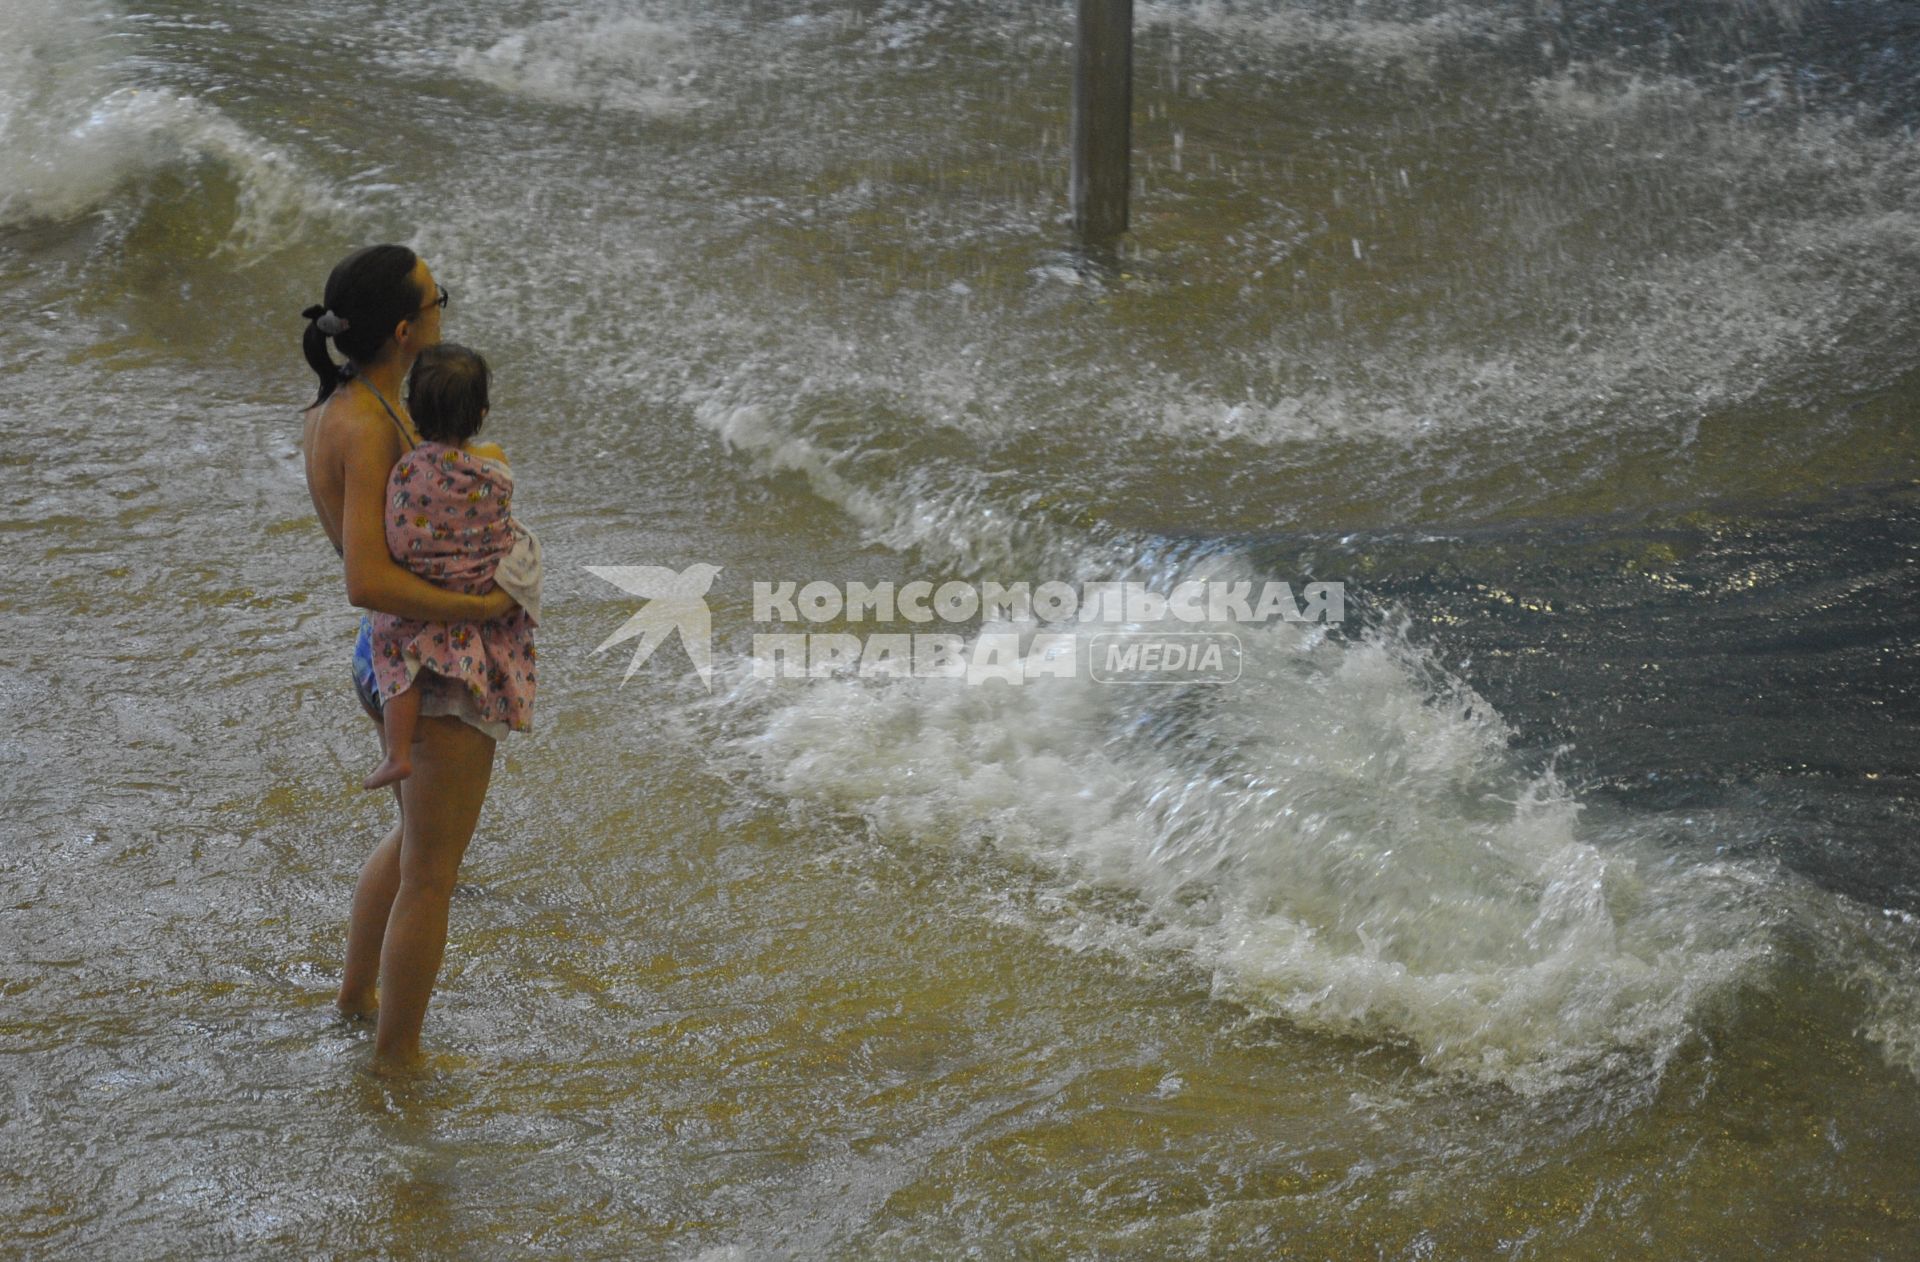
(452, 765)
(372, 904)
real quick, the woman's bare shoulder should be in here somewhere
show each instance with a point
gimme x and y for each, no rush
(348, 423)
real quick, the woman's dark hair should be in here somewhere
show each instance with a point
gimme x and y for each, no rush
(369, 292)
(447, 393)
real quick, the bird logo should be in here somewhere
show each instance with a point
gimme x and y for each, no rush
(675, 601)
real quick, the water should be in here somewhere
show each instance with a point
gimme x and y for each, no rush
(1559, 905)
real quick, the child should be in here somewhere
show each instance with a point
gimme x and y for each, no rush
(449, 520)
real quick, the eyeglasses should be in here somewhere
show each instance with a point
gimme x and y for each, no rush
(440, 300)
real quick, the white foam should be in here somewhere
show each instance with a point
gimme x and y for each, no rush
(957, 522)
(612, 59)
(1874, 953)
(73, 137)
(1677, 336)
(1655, 336)
(1335, 841)
(1376, 38)
(1403, 34)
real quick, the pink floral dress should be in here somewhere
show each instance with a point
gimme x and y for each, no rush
(449, 520)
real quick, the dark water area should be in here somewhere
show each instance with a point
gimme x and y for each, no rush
(1764, 661)
(1774, 55)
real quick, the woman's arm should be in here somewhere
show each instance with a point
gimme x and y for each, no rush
(374, 579)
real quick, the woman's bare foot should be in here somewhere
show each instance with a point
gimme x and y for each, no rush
(395, 769)
(357, 1007)
(397, 1064)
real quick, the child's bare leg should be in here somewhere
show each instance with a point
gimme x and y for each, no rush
(400, 714)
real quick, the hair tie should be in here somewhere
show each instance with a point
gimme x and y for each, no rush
(324, 320)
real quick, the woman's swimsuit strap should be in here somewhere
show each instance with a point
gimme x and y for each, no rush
(390, 412)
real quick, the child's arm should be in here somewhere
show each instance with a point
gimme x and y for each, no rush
(374, 579)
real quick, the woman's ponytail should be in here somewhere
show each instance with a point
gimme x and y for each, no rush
(313, 343)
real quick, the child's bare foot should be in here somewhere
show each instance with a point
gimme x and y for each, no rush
(389, 772)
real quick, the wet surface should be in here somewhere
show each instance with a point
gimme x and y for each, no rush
(1561, 904)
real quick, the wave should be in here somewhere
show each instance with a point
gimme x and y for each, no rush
(1340, 836)
(1343, 838)
(609, 60)
(1335, 839)
(54, 169)
(663, 58)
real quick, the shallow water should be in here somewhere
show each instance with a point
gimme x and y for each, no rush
(1561, 903)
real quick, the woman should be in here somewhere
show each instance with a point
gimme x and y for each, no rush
(382, 309)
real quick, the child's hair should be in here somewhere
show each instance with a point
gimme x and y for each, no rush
(447, 393)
